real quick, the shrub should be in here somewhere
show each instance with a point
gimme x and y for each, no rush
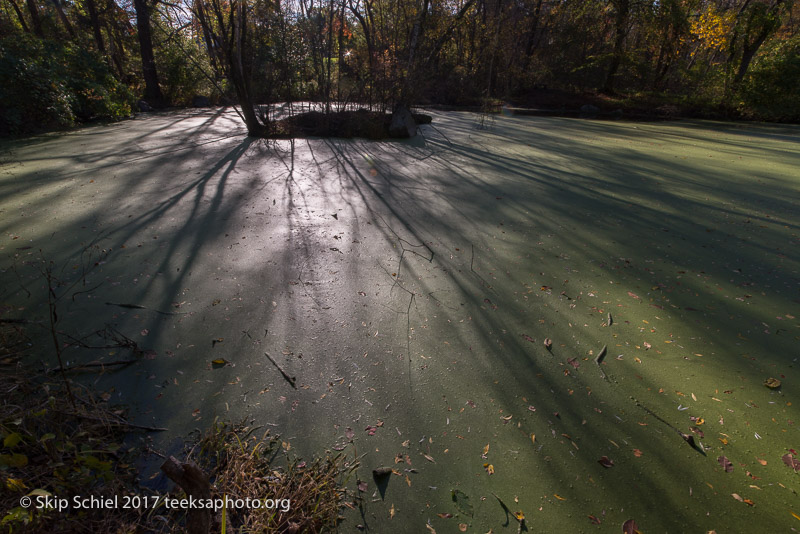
(770, 90)
(48, 85)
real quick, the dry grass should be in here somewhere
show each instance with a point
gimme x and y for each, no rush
(52, 448)
(242, 465)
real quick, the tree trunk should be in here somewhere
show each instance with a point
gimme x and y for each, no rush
(33, 9)
(152, 91)
(91, 7)
(20, 17)
(620, 32)
(64, 19)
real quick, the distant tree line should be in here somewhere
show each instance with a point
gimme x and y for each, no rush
(68, 60)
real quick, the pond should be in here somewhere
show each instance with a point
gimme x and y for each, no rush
(405, 293)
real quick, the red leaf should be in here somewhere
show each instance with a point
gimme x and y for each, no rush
(594, 520)
(791, 461)
(528, 338)
(605, 461)
(573, 362)
(634, 295)
(726, 464)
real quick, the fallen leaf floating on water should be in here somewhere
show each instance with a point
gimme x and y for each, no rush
(630, 527)
(520, 516)
(445, 516)
(462, 527)
(573, 362)
(740, 499)
(772, 383)
(726, 464)
(528, 338)
(489, 468)
(429, 458)
(762, 461)
(485, 451)
(791, 461)
(362, 486)
(391, 512)
(605, 461)
(462, 502)
(430, 528)
(220, 362)
(548, 343)
(349, 433)
(559, 497)
(634, 295)
(637, 453)
(594, 520)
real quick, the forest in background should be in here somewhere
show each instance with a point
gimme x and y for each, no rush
(67, 61)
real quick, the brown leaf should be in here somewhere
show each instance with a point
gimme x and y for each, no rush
(445, 516)
(462, 527)
(594, 520)
(573, 362)
(726, 464)
(605, 461)
(630, 527)
(791, 461)
(762, 461)
(637, 453)
(737, 497)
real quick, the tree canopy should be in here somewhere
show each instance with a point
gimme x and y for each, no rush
(68, 60)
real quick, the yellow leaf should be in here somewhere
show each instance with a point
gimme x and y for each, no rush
(391, 512)
(533, 438)
(559, 497)
(486, 450)
(796, 516)
(694, 398)
(408, 481)
(219, 361)
(15, 484)
(489, 468)
(520, 516)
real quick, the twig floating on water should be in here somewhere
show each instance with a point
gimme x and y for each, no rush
(288, 378)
